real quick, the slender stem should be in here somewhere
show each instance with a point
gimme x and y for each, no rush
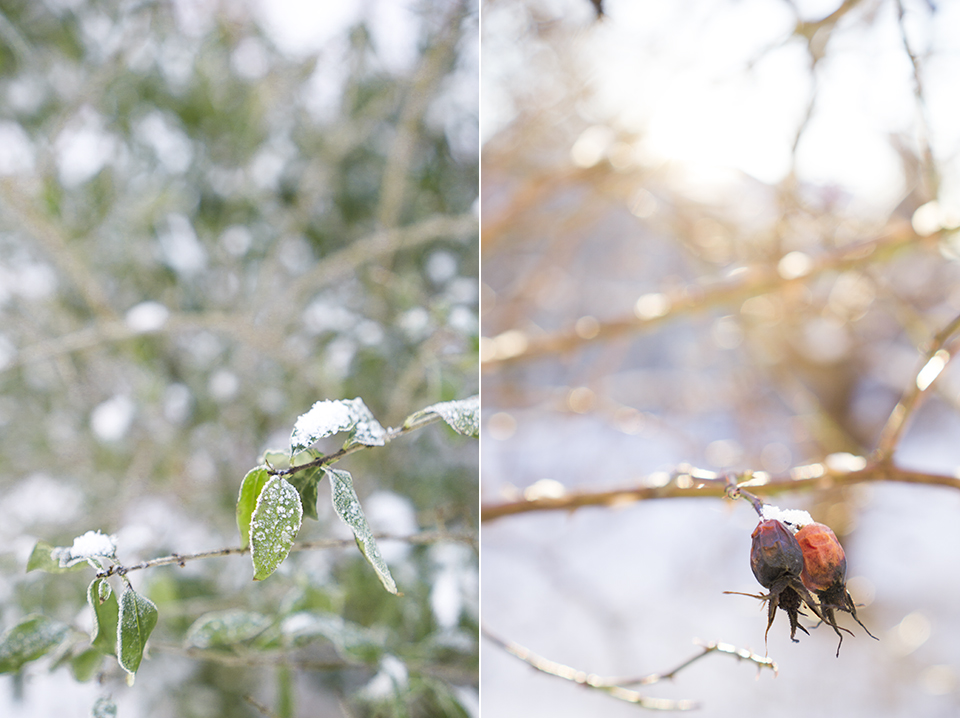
(390, 435)
(180, 559)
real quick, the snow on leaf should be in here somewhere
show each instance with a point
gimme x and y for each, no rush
(137, 619)
(327, 417)
(273, 526)
(250, 490)
(29, 640)
(462, 415)
(347, 506)
(42, 559)
(91, 547)
(225, 628)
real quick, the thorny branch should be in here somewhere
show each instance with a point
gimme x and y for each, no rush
(424, 537)
(615, 686)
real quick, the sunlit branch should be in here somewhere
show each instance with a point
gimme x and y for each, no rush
(754, 281)
(935, 359)
(683, 486)
(615, 686)
(181, 559)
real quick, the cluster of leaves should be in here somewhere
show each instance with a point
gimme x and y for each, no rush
(191, 243)
(269, 513)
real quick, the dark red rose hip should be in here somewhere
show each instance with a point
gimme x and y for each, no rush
(775, 553)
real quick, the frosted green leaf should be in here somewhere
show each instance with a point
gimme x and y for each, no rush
(273, 526)
(327, 418)
(250, 490)
(351, 640)
(462, 415)
(104, 708)
(106, 614)
(225, 628)
(92, 547)
(138, 617)
(28, 640)
(347, 506)
(41, 559)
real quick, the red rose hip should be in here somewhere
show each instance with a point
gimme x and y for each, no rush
(824, 563)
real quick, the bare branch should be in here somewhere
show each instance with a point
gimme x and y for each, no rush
(813, 477)
(935, 360)
(615, 686)
(754, 281)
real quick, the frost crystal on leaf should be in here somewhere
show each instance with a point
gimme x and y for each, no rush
(463, 416)
(91, 546)
(138, 617)
(273, 526)
(28, 640)
(326, 418)
(347, 506)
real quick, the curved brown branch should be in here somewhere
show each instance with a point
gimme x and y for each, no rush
(757, 280)
(614, 687)
(684, 487)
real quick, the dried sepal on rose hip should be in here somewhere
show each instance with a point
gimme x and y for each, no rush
(824, 573)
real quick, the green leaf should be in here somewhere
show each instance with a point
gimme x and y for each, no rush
(86, 663)
(462, 415)
(250, 490)
(305, 482)
(347, 506)
(327, 418)
(137, 619)
(41, 559)
(225, 628)
(106, 614)
(29, 640)
(104, 708)
(273, 526)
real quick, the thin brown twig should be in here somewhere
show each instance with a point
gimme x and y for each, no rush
(259, 706)
(615, 686)
(380, 244)
(812, 478)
